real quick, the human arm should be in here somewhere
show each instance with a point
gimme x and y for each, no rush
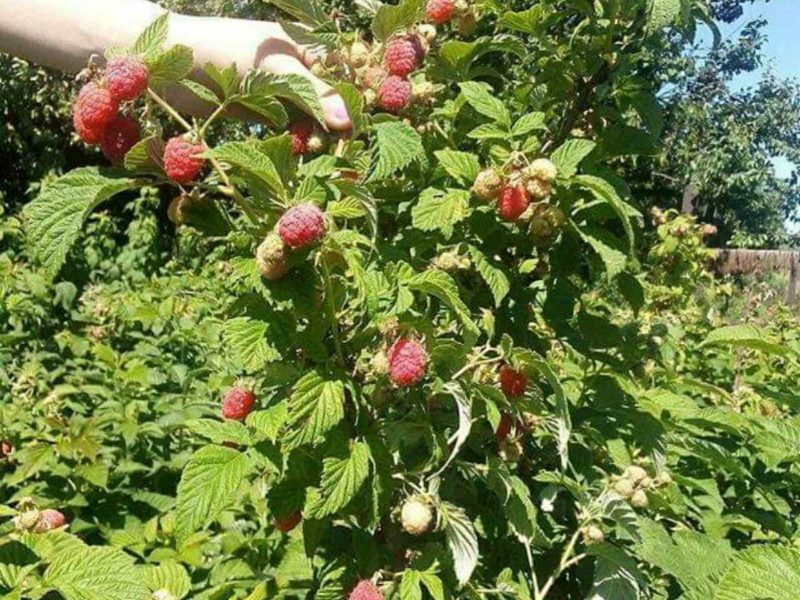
(64, 34)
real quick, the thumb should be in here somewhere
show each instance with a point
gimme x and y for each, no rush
(333, 107)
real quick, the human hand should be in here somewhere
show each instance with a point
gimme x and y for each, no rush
(257, 45)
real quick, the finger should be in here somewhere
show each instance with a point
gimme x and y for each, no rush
(333, 106)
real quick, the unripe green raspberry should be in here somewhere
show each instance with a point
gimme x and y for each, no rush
(272, 258)
(488, 184)
(592, 534)
(27, 520)
(539, 188)
(451, 261)
(542, 168)
(635, 473)
(317, 141)
(358, 54)
(417, 516)
(379, 364)
(510, 451)
(639, 499)
(664, 479)
(625, 488)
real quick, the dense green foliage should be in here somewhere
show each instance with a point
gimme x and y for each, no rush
(652, 455)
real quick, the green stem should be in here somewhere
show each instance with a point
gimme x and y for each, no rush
(330, 302)
(169, 110)
(567, 560)
(212, 118)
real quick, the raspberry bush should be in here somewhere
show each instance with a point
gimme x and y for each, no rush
(431, 358)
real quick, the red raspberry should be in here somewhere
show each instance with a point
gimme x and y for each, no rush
(403, 55)
(50, 519)
(408, 362)
(513, 382)
(6, 449)
(126, 78)
(302, 225)
(301, 132)
(289, 522)
(121, 135)
(513, 201)
(94, 110)
(365, 590)
(504, 427)
(238, 403)
(181, 162)
(395, 93)
(440, 11)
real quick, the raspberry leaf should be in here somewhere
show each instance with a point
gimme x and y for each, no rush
(461, 539)
(568, 156)
(397, 145)
(494, 276)
(390, 19)
(173, 65)
(461, 166)
(440, 210)
(247, 157)
(169, 576)
(209, 484)
(95, 573)
(479, 96)
(152, 39)
(342, 479)
(315, 407)
(245, 340)
(54, 219)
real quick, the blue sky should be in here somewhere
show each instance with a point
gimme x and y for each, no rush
(782, 50)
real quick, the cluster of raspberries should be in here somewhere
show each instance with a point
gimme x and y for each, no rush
(99, 120)
(513, 194)
(97, 116)
(300, 227)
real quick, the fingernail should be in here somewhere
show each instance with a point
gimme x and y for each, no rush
(339, 109)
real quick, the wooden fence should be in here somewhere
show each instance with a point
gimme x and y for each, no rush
(730, 261)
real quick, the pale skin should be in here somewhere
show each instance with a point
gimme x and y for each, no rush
(65, 34)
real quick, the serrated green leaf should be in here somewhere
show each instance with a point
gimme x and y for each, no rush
(396, 146)
(201, 91)
(54, 219)
(227, 79)
(308, 12)
(268, 423)
(762, 572)
(661, 14)
(603, 244)
(461, 166)
(616, 575)
(440, 284)
(390, 19)
(603, 190)
(315, 407)
(171, 66)
(528, 21)
(151, 40)
(295, 88)
(494, 277)
(440, 210)
(208, 485)
(744, 336)
(480, 97)
(246, 344)
(461, 539)
(341, 481)
(220, 432)
(410, 585)
(95, 573)
(146, 155)
(169, 576)
(570, 154)
(248, 157)
(531, 122)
